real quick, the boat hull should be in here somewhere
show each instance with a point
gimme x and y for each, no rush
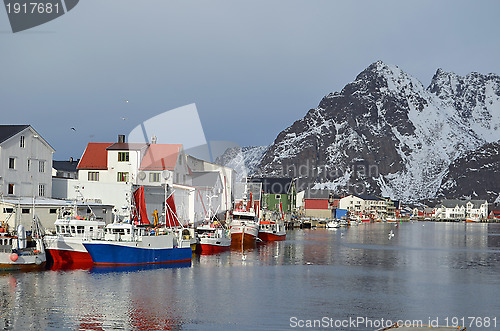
(23, 262)
(116, 253)
(272, 236)
(244, 233)
(208, 246)
(67, 250)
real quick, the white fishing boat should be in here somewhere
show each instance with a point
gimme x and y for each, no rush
(334, 224)
(22, 250)
(65, 247)
(244, 226)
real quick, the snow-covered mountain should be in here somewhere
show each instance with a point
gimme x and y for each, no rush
(474, 175)
(385, 133)
(242, 159)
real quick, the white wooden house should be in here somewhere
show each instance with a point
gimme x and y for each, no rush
(25, 162)
(461, 209)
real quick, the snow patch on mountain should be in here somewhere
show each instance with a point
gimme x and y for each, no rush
(388, 119)
(243, 160)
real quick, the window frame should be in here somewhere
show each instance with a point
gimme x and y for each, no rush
(11, 189)
(123, 156)
(41, 166)
(93, 176)
(41, 190)
(122, 177)
(154, 177)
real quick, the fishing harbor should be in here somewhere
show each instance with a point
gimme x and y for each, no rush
(129, 212)
(334, 273)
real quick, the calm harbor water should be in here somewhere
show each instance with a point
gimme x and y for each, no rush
(444, 272)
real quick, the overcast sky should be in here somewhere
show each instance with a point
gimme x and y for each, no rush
(251, 67)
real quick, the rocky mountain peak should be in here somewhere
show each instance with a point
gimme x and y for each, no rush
(385, 120)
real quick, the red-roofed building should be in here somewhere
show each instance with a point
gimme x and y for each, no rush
(108, 172)
(161, 157)
(163, 163)
(95, 157)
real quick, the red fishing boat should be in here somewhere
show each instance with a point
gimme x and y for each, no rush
(273, 230)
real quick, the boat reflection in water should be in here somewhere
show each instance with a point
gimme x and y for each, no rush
(141, 267)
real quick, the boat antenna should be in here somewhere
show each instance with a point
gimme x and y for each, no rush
(77, 189)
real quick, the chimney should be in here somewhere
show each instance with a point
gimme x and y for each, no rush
(154, 139)
(121, 138)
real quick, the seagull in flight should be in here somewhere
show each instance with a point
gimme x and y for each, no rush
(73, 129)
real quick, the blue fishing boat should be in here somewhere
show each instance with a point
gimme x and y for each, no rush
(133, 240)
(128, 244)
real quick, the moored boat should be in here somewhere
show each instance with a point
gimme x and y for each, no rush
(272, 230)
(128, 244)
(333, 224)
(244, 228)
(212, 239)
(65, 248)
(132, 240)
(22, 250)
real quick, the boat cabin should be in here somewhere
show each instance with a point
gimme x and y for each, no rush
(125, 232)
(80, 228)
(244, 216)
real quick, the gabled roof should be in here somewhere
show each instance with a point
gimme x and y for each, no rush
(7, 131)
(65, 165)
(161, 157)
(452, 203)
(95, 157)
(127, 146)
(370, 197)
(317, 194)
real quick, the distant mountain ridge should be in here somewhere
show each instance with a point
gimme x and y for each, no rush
(242, 159)
(386, 134)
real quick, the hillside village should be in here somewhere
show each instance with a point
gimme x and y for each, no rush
(102, 180)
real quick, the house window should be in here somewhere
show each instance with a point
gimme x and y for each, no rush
(122, 177)
(12, 163)
(29, 165)
(123, 156)
(11, 189)
(154, 177)
(8, 210)
(25, 211)
(41, 190)
(52, 211)
(41, 166)
(21, 142)
(93, 176)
